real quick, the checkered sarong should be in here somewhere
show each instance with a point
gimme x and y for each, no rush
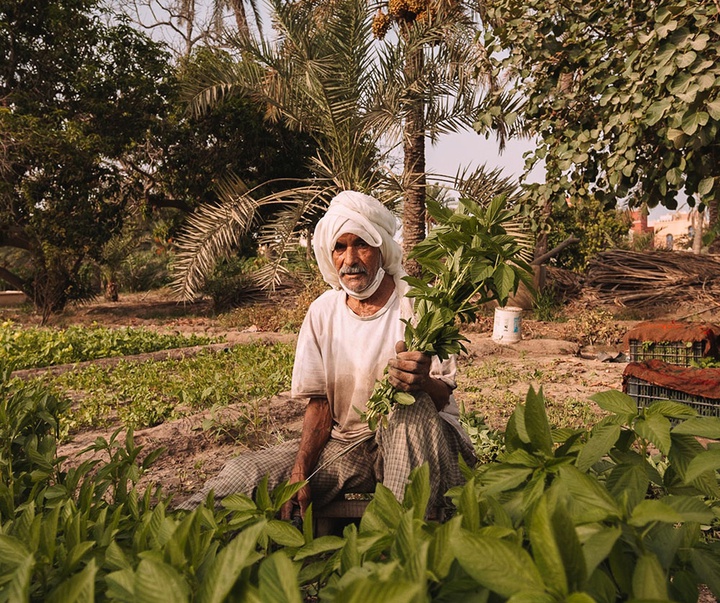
(415, 435)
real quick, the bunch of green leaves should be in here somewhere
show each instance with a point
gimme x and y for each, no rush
(38, 346)
(470, 258)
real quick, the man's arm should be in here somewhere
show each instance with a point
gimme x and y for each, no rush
(317, 425)
(410, 372)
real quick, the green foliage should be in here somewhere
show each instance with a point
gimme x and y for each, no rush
(31, 347)
(599, 228)
(546, 306)
(622, 96)
(79, 95)
(470, 258)
(149, 393)
(487, 442)
(561, 515)
(231, 281)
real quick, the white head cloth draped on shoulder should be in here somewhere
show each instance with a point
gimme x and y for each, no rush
(364, 216)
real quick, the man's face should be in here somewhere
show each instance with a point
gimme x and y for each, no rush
(357, 262)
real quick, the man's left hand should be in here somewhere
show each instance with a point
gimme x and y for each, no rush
(409, 371)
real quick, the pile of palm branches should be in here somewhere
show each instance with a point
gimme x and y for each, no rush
(632, 278)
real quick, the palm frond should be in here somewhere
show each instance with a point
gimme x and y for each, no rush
(210, 234)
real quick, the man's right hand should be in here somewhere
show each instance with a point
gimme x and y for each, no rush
(301, 499)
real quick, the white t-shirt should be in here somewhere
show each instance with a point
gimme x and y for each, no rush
(340, 355)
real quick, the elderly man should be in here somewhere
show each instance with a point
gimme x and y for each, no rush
(350, 335)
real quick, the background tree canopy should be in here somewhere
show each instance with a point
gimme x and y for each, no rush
(622, 95)
(76, 95)
(93, 127)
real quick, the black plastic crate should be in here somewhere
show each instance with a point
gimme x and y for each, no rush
(645, 393)
(682, 353)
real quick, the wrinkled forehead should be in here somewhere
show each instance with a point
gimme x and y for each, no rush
(353, 228)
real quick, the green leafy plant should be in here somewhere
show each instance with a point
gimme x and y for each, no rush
(625, 510)
(148, 393)
(471, 257)
(32, 347)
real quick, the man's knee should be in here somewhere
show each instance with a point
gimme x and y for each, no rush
(420, 412)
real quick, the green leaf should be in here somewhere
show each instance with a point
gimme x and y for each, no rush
(545, 548)
(690, 508)
(536, 421)
(404, 398)
(702, 427)
(121, 585)
(229, 563)
(713, 108)
(707, 565)
(504, 280)
(79, 588)
(12, 549)
(616, 402)
(597, 542)
(18, 588)
(657, 110)
(588, 500)
(705, 186)
(323, 544)
(368, 590)
(284, 533)
(705, 461)
(500, 566)
(693, 120)
(500, 478)
(278, 580)
(628, 482)
(656, 429)
(649, 511)
(158, 582)
(673, 410)
(440, 554)
(467, 506)
(384, 511)
(602, 439)
(417, 492)
(648, 581)
(532, 596)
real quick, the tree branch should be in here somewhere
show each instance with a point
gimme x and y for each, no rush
(553, 252)
(11, 279)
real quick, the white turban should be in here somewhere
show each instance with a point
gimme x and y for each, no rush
(364, 216)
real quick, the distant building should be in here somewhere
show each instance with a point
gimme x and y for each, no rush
(676, 231)
(640, 224)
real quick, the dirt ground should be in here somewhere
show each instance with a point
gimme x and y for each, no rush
(491, 377)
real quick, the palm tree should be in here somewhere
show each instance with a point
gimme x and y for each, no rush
(438, 60)
(318, 77)
(322, 76)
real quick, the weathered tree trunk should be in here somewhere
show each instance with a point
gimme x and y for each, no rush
(697, 222)
(414, 169)
(241, 21)
(714, 214)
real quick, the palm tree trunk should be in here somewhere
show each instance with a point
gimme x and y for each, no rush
(241, 21)
(414, 169)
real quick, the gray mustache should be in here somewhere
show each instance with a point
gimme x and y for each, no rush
(352, 270)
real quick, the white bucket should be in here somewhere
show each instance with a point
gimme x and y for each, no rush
(507, 325)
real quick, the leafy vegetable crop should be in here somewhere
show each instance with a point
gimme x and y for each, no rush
(470, 258)
(38, 346)
(562, 515)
